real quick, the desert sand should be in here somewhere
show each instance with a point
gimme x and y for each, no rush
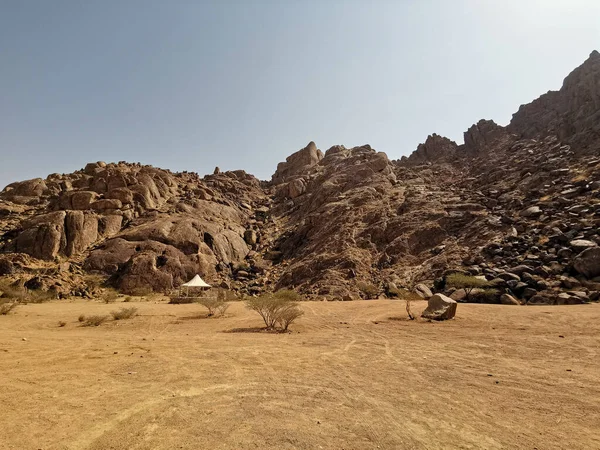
(346, 377)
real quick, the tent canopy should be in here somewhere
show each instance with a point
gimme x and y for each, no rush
(196, 282)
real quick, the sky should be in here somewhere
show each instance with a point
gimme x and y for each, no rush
(190, 85)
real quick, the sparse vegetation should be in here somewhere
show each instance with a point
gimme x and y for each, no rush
(408, 311)
(276, 312)
(369, 291)
(216, 306)
(18, 293)
(62, 323)
(124, 313)
(92, 321)
(81, 318)
(181, 300)
(288, 294)
(141, 292)
(109, 296)
(487, 295)
(288, 315)
(6, 307)
(466, 282)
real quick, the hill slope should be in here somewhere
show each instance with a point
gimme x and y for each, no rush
(518, 204)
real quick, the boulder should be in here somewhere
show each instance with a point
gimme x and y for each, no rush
(581, 244)
(532, 211)
(587, 263)
(423, 291)
(440, 307)
(106, 204)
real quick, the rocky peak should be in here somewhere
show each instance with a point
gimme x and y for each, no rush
(572, 113)
(435, 149)
(483, 135)
(297, 163)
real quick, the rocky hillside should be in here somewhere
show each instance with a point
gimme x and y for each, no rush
(518, 205)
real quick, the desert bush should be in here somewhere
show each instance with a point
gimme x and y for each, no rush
(109, 296)
(408, 310)
(369, 291)
(124, 313)
(140, 291)
(274, 310)
(181, 300)
(94, 321)
(62, 323)
(487, 295)
(215, 306)
(288, 294)
(466, 282)
(126, 299)
(81, 318)
(288, 315)
(6, 307)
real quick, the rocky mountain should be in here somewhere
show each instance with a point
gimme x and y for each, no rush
(518, 205)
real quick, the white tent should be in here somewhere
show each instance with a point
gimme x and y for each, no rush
(196, 282)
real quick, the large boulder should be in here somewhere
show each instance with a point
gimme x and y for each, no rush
(440, 307)
(297, 163)
(423, 291)
(587, 263)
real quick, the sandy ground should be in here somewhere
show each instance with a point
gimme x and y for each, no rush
(347, 377)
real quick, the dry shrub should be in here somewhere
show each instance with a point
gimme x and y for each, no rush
(288, 294)
(216, 306)
(369, 291)
(93, 321)
(181, 300)
(408, 310)
(109, 296)
(124, 313)
(62, 324)
(466, 282)
(81, 318)
(140, 291)
(20, 294)
(288, 315)
(6, 307)
(276, 312)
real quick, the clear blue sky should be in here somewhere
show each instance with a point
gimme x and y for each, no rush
(188, 85)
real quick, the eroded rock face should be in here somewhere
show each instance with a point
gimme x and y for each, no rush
(297, 164)
(517, 206)
(435, 149)
(572, 113)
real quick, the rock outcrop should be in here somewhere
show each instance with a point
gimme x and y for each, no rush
(518, 206)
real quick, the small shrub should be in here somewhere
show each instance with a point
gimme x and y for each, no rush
(7, 307)
(215, 306)
(110, 296)
(124, 313)
(126, 299)
(288, 315)
(181, 300)
(141, 291)
(274, 310)
(487, 295)
(62, 324)
(287, 294)
(369, 291)
(466, 282)
(94, 321)
(81, 318)
(408, 310)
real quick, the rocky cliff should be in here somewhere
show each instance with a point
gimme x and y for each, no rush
(518, 205)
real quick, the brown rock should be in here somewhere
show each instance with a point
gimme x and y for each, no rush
(440, 307)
